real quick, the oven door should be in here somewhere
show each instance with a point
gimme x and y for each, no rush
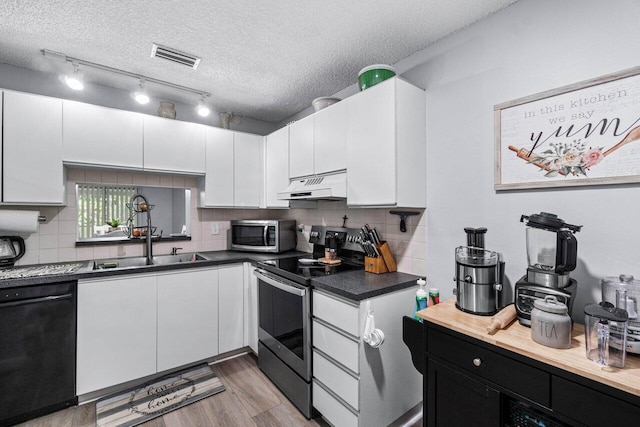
(284, 321)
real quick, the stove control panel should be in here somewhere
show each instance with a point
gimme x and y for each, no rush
(347, 238)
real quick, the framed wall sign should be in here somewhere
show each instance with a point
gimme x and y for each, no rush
(586, 133)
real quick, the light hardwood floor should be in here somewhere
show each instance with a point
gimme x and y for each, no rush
(250, 399)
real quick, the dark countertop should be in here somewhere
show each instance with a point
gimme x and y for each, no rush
(86, 272)
(355, 285)
(359, 285)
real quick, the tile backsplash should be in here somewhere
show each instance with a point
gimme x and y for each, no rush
(55, 240)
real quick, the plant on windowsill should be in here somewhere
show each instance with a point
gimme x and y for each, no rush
(114, 223)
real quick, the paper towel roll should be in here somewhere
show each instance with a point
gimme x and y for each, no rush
(14, 221)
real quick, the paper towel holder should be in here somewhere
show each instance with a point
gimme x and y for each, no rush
(42, 218)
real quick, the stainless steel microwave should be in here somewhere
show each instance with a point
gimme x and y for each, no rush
(263, 235)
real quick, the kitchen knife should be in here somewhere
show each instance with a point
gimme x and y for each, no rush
(375, 250)
(376, 236)
(364, 248)
(372, 238)
(365, 233)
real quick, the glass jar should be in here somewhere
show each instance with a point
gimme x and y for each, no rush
(167, 110)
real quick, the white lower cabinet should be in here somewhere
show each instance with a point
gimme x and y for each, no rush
(250, 308)
(331, 408)
(355, 384)
(187, 319)
(133, 326)
(116, 331)
(231, 308)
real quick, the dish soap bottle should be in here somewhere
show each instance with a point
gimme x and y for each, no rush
(422, 297)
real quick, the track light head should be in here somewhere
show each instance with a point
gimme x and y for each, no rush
(141, 95)
(74, 81)
(202, 108)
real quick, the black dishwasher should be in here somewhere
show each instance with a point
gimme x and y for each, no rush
(37, 350)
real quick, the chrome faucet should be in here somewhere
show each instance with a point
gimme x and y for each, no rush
(149, 254)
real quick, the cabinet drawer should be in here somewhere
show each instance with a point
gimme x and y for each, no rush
(332, 409)
(589, 406)
(515, 376)
(335, 345)
(338, 313)
(335, 378)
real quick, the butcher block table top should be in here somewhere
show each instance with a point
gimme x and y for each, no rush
(517, 338)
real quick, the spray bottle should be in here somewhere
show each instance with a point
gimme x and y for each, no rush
(422, 297)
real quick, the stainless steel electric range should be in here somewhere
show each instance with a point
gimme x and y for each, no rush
(284, 310)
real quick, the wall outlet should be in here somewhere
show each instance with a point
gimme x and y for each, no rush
(215, 228)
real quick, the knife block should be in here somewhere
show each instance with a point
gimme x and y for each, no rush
(385, 263)
(375, 265)
(389, 260)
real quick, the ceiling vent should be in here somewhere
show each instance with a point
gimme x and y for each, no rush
(159, 51)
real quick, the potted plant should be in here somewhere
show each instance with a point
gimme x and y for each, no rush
(114, 223)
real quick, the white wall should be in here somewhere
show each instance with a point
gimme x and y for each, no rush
(55, 239)
(529, 47)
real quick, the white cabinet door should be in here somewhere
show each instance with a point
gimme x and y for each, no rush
(116, 331)
(32, 149)
(301, 148)
(250, 308)
(248, 162)
(218, 180)
(277, 167)
(230, 308)
(101, 136)
(174, 146)
(330, 141)
(187, 317)
(371, 148)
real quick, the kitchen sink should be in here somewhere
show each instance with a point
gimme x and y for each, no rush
(174, 259)
(136, 262)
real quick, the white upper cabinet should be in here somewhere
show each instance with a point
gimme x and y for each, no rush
(248, 173)
(101, 136)
(218, 179)
(234, 170)
(301, 148)
(173, 146)
(330, 138)
(317, 143)
(386, 146)
(277, 167)
(32, 171)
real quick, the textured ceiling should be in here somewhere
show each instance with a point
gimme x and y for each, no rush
(262, 59)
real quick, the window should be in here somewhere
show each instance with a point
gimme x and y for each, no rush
(98, 204)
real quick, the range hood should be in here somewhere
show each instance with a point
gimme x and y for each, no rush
(321, 187)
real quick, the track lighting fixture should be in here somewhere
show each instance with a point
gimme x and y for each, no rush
(141, 96)
(74, 81)
(202, 109)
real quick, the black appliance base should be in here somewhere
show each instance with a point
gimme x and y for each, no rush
(38, 413)
(297, 390)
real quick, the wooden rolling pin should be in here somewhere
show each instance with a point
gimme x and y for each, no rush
(502, 319)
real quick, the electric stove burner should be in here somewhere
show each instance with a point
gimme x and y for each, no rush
(40, 270)
(302, 272)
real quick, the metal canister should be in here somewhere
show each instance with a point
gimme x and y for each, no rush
(551, 323)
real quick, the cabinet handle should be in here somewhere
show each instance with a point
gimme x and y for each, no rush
(477, 361)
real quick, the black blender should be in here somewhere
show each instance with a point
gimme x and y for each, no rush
(551, 255)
